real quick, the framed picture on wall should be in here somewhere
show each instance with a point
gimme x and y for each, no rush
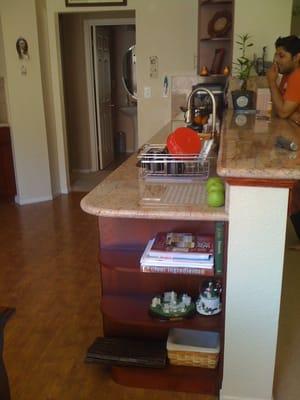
(84, 3)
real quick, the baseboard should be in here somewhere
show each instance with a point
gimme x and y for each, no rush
(83, 171)
(30, 200)
(223, 397)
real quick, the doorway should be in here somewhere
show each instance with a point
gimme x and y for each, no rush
(92, 46)
(295, 28)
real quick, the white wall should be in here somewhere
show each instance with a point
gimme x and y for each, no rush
(256, 240)
(264, 21)
(25, 102)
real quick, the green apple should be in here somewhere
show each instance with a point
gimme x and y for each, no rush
(215, 186)
(215, 198)
(213, 180)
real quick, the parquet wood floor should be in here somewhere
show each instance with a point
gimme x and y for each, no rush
(49, 272)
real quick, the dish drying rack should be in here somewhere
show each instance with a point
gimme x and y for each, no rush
(156, 162)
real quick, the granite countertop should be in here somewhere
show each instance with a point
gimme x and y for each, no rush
(249, 151)
(246, 151)
(125, 194)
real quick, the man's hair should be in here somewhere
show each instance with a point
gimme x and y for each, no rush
(291, 44)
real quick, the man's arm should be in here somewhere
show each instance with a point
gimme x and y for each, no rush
(283, 108)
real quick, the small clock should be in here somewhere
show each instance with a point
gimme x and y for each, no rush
(243, 99)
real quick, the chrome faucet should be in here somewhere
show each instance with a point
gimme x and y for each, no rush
(189, 112)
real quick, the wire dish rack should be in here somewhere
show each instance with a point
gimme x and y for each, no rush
(156, 162)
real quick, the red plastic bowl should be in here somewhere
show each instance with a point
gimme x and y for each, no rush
(184, 141)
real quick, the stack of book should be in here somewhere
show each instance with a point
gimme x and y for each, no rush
(179, 253)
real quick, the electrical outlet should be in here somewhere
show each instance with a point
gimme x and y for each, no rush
(147, 92)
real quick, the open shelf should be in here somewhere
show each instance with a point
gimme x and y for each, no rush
(176, 378)
(129, 261)
(133, 310)
(126, 294)
(214, 2)
(215, 39)
(208, 43)
(121, 275)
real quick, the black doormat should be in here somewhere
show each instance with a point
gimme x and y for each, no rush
(128, 352)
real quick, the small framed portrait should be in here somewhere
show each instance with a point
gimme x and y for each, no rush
(86, 3)
(22, 48)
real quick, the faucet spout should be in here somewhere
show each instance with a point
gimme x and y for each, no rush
(189, 113)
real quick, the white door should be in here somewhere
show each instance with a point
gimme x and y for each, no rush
(103, 96)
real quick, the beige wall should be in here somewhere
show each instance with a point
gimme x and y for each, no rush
(173, 39)
(47, 97)
(75, 89)
(3, 106)
(167, 29)
(2, 63)
(264, 21)
(25, 102)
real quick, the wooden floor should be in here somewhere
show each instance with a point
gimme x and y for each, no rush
(49, 272)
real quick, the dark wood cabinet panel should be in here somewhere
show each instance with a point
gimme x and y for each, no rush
(182, 379)
(7, 174)
(126, 295)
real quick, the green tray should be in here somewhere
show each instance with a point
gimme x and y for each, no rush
(159, 313)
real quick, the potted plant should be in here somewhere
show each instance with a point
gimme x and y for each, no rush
(243, 99)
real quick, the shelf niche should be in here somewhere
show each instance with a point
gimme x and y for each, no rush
(208, 43)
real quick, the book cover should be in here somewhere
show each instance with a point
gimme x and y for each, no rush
(219, 246)
(177, 270)
(174, 262)
(182, 245)
(178, 263)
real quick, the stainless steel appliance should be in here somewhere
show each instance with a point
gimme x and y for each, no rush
(201, 104)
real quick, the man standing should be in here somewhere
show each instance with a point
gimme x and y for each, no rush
(286, 95)
(286, 98)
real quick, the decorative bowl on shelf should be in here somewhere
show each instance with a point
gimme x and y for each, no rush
(220, 24)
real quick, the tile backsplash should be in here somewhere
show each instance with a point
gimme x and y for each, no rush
(3, 107)
(181, 88)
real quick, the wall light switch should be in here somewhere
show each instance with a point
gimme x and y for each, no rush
(153, 67)
(147, 92)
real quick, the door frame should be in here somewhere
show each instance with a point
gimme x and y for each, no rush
(88, 24)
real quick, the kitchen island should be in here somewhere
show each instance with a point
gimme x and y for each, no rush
(259, 178)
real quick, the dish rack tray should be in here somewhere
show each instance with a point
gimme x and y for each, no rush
(155, 161)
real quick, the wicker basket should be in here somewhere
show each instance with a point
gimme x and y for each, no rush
(193, 359)
(193, 348)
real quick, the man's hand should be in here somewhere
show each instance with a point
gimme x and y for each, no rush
(295, 117)
(272, 74)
